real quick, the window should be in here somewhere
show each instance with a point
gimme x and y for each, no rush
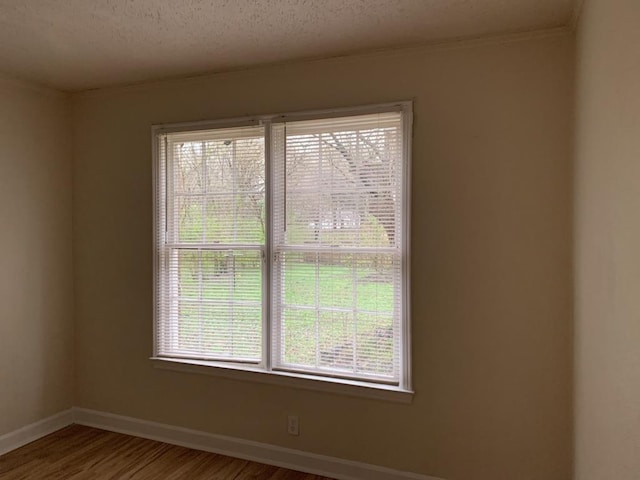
(281, 244)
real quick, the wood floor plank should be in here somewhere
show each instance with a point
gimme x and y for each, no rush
(84, 453)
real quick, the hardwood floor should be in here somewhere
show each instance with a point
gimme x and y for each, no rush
(83, 453)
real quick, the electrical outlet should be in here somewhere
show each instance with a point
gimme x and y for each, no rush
(293, 425)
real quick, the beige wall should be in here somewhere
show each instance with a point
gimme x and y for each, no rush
(36, 305)
(608, 242)
(492, 284)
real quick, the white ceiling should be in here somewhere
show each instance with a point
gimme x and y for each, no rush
(83, 44)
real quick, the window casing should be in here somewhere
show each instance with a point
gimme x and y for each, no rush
(282, 244)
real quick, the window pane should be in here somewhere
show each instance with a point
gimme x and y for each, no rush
(212, 296)
(338, 205)
(338, 311)
(343, 186)
(217, 303)
(218, 188)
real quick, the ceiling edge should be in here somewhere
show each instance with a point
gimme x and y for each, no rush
(453, 43)
(24, 84)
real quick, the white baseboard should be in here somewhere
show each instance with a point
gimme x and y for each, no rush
(248, 450)
(22, 436)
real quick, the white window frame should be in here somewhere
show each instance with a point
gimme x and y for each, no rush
(263, 372)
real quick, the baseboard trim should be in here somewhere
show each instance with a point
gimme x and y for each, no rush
(27, 434)
(248, 450)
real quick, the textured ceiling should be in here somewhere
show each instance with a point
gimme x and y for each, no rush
(82, 44)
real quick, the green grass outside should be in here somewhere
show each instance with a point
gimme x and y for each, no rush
(306, 287)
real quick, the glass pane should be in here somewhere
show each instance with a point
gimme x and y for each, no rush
(299, 337)
(335, 338)
(343, 182)
(375, 344)
(338, 311)
(218, 303)
(218, 187)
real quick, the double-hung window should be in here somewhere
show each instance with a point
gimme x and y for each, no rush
(281, 244)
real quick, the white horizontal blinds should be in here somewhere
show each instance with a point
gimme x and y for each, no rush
(278, 185)
(216, 310)
(338, 243)
(160, 254)
(336, 233)
(212, 253)
(218, 186)
(343, 180)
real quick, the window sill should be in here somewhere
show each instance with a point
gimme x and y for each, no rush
(292, 380)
